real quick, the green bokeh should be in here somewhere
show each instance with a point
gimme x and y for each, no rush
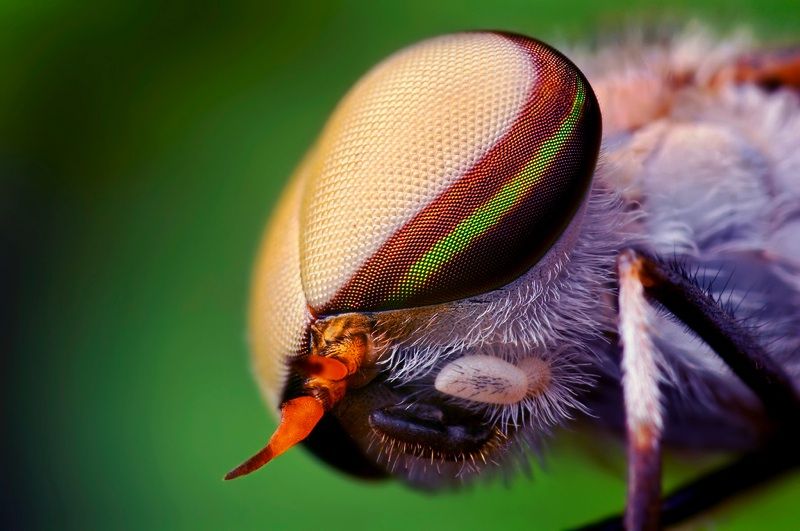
(142, 146)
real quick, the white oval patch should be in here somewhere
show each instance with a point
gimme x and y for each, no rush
(484, 379)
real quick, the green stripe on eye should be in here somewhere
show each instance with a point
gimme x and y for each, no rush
(488, 215)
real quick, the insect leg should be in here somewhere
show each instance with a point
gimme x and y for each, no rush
(746, 358)
(643, 414)
(723, 333)
(703, 493)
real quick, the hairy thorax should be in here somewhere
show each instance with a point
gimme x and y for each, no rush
(710, 168)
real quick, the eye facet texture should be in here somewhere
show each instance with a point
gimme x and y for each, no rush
(448, 171)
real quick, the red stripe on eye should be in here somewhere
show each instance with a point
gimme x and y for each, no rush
(511, 246)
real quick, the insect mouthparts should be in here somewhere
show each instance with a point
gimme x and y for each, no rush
(342, 356)
(298, 417)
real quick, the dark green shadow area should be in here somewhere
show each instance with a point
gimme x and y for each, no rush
(142, 146)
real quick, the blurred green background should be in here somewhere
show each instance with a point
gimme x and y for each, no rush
(142, 146)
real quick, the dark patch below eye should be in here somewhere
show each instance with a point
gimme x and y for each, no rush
(448, 431)
(331, 443)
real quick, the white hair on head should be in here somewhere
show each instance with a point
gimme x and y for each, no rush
(704, 177)
(552, 313)
(547, 307)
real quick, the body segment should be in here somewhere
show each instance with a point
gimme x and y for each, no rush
(452, 207)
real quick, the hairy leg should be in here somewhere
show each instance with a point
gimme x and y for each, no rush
(643, 414)
(642, 276)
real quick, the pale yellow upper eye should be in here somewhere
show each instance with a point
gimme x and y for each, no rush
(446, 172)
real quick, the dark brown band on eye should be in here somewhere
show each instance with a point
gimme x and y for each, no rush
(503, 214)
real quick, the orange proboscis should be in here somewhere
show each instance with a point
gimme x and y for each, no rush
(325, 368)
(298, 417)
(326, 383)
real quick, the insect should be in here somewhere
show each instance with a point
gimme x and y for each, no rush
(485, 244)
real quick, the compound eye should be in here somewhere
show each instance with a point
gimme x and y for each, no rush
(448, 171)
